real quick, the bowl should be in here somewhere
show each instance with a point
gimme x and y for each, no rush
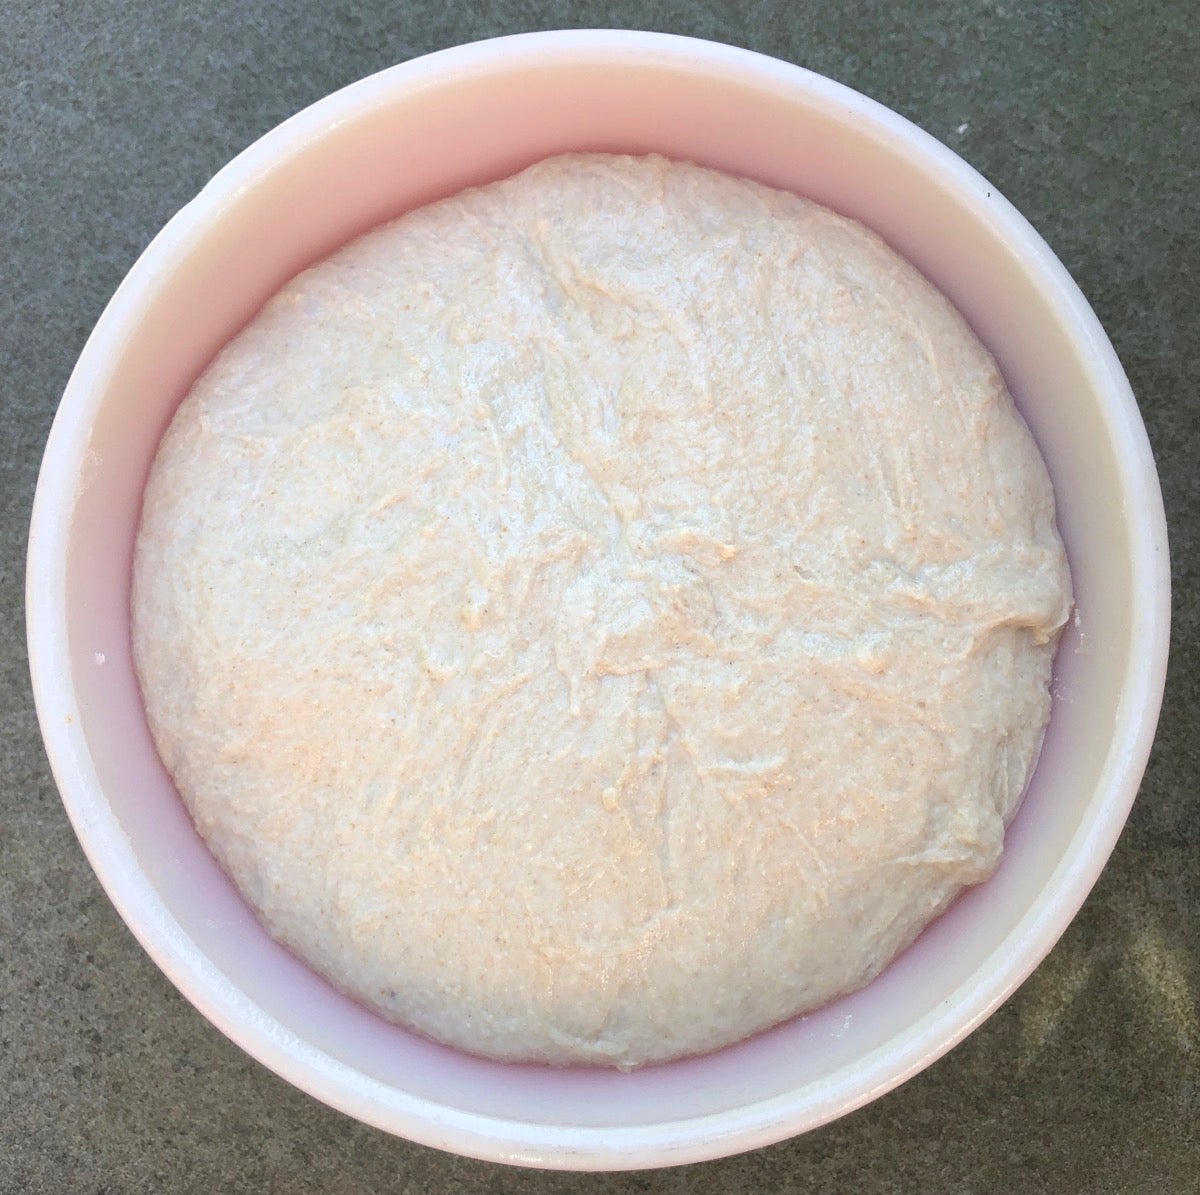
(423, 130)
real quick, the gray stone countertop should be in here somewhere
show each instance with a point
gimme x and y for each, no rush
(1087, 115)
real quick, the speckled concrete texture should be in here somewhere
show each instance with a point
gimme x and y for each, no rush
(1087, 115)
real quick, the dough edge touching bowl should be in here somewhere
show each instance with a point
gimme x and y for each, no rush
(467, 115)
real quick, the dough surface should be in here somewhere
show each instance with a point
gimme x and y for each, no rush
(602, 614)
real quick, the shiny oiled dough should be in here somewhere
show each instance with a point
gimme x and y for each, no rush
(602, 614)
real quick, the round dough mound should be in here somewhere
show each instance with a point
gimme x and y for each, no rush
(602, 614)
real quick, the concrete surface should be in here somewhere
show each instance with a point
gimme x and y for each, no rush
(113, 114)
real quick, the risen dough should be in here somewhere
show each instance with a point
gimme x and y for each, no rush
(602, 614)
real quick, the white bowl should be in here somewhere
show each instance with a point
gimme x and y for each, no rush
(424, 130)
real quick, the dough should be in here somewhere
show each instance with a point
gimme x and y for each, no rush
(602, 614)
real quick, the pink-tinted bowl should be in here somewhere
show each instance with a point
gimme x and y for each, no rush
(423, 130)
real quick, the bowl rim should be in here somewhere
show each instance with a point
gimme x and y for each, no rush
(513, 1141)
